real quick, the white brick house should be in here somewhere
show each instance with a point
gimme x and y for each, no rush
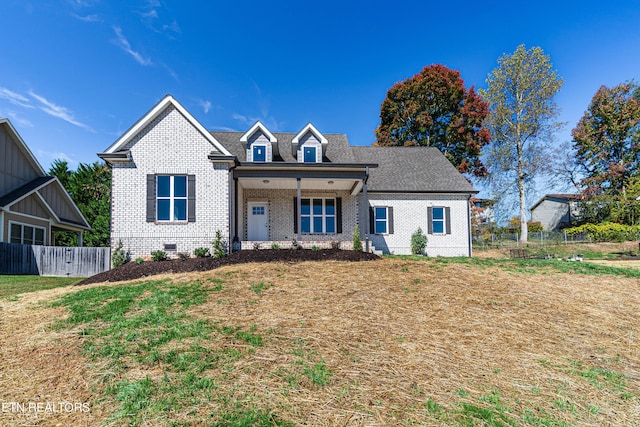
(175, 184)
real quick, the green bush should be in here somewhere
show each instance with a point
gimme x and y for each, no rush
(418, 242)
(315, 248)
(184, 255)
(119, 256)
(219, 246)
(357, 243)
(158, 255)
(606, 232)
(275, 246)
(201, 252)
(139, 260)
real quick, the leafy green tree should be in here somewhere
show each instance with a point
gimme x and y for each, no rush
(434, 108)
(607, 139)
(521, 118)
(90, 188)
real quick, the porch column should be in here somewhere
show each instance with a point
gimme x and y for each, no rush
(80, 239)
(299, 210)
(366, 210)
(235, 211)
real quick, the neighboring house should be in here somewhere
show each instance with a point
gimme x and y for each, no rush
(174, 184)
(33, 205)
(555, 211)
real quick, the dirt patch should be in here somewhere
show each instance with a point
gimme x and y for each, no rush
(131, 270)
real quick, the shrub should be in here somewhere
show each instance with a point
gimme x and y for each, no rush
(219, 246)
(119, 256)
(274, 245)
(606, 232)
(418, 242)
(335, 244)
(357, 243)
(158, 255)
(201, 252)
(184, 255)
(315, 248)
(139, 260)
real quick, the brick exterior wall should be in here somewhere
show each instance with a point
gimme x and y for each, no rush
(281, 226)
(169, 145)
(410, 212)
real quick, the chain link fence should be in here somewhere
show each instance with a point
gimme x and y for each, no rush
(539, 238)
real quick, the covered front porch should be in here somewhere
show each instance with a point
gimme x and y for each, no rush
(279, 206)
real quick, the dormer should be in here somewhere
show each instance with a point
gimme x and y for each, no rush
(309, 146)
(260, 144)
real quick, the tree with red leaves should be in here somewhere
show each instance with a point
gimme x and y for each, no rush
(607, 139)
(434, 108)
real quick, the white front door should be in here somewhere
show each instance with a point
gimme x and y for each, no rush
(258, 220)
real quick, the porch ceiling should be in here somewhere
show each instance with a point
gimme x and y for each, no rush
(305, 184)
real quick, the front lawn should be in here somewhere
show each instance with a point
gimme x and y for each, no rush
(11, 286)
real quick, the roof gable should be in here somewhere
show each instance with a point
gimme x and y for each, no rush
(22, 146)
(166, 102)
(255, 128)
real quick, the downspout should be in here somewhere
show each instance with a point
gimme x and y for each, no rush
(299, 208)
(233, 208)
(366, 210)
(469, 225)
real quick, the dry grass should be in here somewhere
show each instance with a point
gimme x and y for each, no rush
(397, 337)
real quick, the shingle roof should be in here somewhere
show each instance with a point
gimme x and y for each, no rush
(411, 169)
(19, 192)
(338, 148)
(400, 169)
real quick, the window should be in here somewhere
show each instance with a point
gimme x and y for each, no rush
(257, 210)
(381, 224)
(26, 234)
(259, 153)
(439, 220)
(318, 216)
(171, 198)
(309, 154)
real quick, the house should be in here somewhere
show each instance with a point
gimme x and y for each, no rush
(33, 205)
(174, 184)
(555, 211)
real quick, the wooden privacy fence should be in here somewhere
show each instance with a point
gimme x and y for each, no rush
(53, 260)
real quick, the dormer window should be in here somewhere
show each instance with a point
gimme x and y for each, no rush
(261, 145)
(309, 145)
(309, 154)
(259, 153)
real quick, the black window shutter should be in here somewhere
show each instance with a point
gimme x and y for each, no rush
(447, 219)
(338, 214)
(295, 214)
(429, 220)
(390, 219)
(151, 198)
(372, 221)
(191, 198)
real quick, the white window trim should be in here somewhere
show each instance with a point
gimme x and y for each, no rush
(443, 220)
(324, 216)
(376, 220)
(22, 225)
(172, 198)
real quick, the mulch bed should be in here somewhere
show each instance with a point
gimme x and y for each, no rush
(131, 270)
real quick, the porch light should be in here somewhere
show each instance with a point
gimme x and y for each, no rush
(265, 181)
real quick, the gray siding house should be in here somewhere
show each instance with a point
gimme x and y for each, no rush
(555, 211)
(174, 184)
(33, 205)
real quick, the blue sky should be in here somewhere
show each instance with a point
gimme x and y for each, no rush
(76, 74)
